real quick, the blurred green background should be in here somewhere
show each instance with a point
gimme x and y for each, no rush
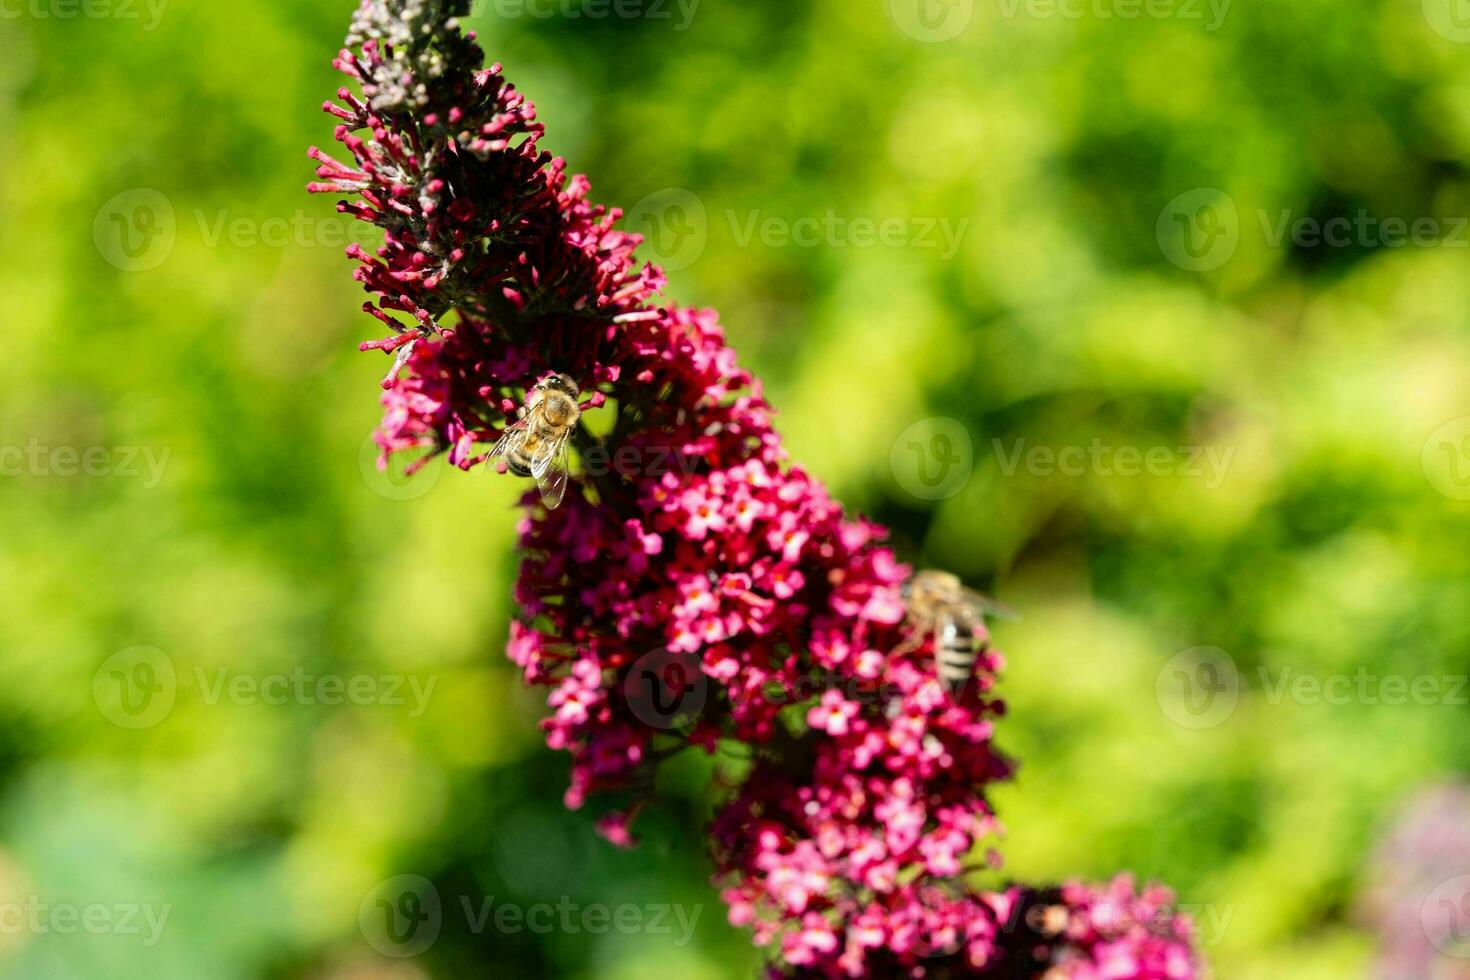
(1008, 225)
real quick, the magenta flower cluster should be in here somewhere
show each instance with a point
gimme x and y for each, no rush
(704, 592)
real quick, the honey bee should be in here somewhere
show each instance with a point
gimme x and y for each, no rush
(536, 444)
(941, 607)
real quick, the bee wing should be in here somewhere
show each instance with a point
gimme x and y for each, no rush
(988, 607)
(549, 467)
(503, 443)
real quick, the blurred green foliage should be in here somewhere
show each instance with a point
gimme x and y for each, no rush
(1118, 276)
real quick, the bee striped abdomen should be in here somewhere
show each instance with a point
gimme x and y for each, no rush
(955, 653)
(519, 454)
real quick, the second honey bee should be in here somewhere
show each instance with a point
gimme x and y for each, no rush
(535, 445)
(939, 606)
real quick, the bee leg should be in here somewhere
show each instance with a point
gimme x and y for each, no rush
(911, 643)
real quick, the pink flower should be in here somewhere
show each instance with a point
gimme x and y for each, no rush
(614, 827)
(833, 714)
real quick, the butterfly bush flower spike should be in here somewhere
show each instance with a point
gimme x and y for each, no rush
(700, 555)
